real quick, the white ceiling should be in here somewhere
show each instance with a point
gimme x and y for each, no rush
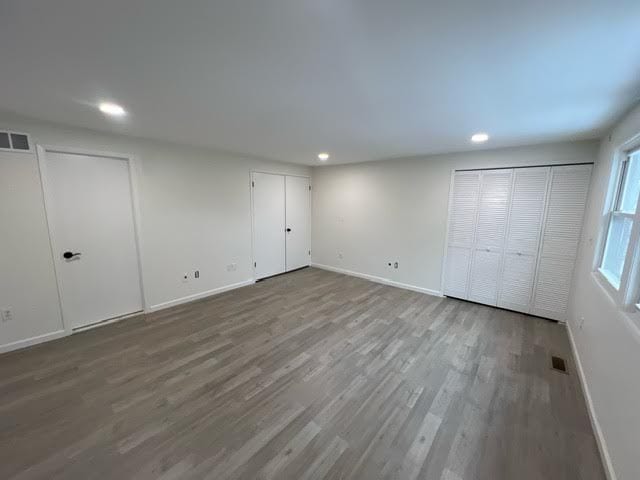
(361, 79)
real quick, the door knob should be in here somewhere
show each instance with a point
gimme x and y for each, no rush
(70, 255)
(288, 229)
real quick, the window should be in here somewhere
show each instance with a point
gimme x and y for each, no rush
(622, 218)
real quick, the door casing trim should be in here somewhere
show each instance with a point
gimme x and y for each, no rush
(133, 164)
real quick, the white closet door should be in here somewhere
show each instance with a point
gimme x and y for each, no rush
(523, 235)
(268, 224)
(560, 238)
(463, 208)
(493, 213)
(298, 231)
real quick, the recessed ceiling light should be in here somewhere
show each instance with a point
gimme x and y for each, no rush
(479, 138)
(112, 109)
(323, 157)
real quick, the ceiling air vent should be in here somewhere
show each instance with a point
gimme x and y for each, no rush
(15, 142)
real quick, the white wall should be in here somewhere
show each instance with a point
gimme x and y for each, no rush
(195, 214)
(396, 210)
(608, 341)
(27, 281)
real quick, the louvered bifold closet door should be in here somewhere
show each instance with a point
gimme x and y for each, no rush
(560, 238)
(523, 238)
(463, 208)
(493, 213)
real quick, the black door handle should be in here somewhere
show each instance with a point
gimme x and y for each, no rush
(288, 229)
(70, 255)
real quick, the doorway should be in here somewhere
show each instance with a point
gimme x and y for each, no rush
(281, 206)
(92, 223)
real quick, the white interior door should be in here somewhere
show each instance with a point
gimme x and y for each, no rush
(493, 214)
(523, 237)
(96, 256)
(298, 223)
(569, 186)
(463, 209)
(269, 245)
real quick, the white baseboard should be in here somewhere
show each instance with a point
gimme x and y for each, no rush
(373, 278)
(602, 444)
(91, 326)
(28, 342)
(198, 296)
(62, 333)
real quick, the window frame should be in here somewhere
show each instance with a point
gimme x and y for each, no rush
(627, 294)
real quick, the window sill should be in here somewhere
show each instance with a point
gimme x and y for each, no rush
(610, 284)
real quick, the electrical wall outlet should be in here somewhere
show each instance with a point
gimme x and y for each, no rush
(7, 315)
(196, 274)
(395, 265)
(232, 267)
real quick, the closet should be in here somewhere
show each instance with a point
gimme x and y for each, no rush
(281, 213)
(513, 237)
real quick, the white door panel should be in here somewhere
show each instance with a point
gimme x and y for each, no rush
(457, 271)
(92, 215)
(553, 286)
(493, 208)
(493, 214)
(463, 209)
(298, 223)
(527, 209)
(562, 229)
(268, 224)
(565, 211)
(523, 234)
(485, 272)
(518, 275)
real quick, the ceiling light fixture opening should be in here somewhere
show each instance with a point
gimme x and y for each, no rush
(479, 138)
(323, 157)
(112, 109)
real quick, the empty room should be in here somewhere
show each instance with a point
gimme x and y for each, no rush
(307, 240)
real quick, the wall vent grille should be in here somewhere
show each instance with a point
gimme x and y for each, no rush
(15, 141)
(558, 363)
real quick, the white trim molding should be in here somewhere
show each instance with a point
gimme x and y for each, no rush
(595, 424)
(28, 342)
(382, 280)
(198, 296)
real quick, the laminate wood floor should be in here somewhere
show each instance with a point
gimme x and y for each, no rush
(309, 375)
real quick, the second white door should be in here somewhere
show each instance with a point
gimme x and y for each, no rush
(268, 224)
(298, 229)
(493, 213)
(281, 223)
